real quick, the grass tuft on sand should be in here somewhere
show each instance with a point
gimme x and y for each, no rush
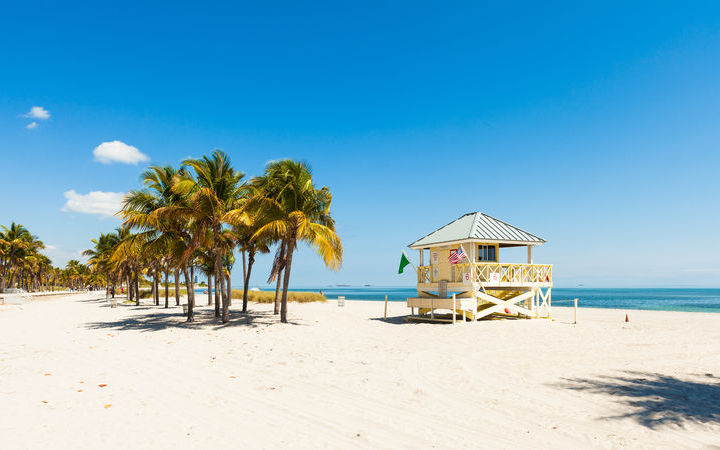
(269, 296)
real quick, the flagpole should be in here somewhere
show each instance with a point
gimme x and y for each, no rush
(408, 258)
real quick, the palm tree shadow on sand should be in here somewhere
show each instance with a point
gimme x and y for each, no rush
(204, 319)
(655, 399)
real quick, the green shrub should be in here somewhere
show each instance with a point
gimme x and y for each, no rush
(269, 296)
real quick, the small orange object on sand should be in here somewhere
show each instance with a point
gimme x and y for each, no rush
(102, 385)
(48, 374)
(44, 401)
(108, 405)
(79, 390)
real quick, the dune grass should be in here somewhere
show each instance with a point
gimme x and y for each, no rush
(171, 293)
(253, 296)
(269, 296)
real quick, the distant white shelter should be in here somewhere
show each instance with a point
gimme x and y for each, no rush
(463, 258)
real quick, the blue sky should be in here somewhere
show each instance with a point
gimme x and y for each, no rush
(595, 127)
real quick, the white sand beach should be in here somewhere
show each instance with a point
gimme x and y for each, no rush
(75, 373)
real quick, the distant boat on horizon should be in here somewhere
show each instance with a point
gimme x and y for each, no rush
(342, 285)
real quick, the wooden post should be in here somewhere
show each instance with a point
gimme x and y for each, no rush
(530, 260)
(575, 321)
(385, 315)
(453, 311)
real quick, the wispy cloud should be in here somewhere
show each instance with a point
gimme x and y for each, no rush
(31, 125)
(117, 151)
(100, 203)
(60, 255)
(37, 112)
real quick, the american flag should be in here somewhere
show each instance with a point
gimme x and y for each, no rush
(457, 255)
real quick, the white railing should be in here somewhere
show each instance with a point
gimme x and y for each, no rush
(490, 273)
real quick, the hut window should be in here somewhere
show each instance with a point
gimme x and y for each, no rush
(486, 253)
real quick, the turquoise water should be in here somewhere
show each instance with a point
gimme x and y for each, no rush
(694, 300)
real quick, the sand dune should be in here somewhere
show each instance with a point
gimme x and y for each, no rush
(75, 373)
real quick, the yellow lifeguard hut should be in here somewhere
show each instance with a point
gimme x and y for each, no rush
(460, 272)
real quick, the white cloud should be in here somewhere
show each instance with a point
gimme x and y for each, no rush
(38, 112)
(60, 255)
(31, 125)
(101, 203)
(116, 151)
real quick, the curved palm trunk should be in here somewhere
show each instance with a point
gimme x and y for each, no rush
(220, 277)
(279, 279)
(217, 296)
(190, 301)
(229, 290)
(137, 289)
(286, 282)
(246, 281)
(156, 294)
(177, 286)
(224, 317)
(166, 287)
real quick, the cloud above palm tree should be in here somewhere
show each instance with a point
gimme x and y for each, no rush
(100, 203)
(118, 151)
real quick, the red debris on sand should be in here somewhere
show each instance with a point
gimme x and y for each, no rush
(102, 385)
(627, 319)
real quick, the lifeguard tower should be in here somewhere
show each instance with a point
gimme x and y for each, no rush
(472, 282)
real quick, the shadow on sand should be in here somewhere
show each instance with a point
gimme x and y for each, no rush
(654, 399)
(174, 318)
(394, 320)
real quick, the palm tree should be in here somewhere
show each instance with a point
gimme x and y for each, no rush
(16, 242)
(213, 192)
(206, 263)
(127, 260)
(166, 237)
(243, 234)
(78, 273)
(99, 257)
(297, 212)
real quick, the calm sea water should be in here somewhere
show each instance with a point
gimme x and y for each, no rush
(695, 300)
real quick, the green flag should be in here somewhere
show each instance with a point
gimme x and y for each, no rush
(403, 262)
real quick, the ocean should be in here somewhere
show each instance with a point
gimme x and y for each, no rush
(680, 299)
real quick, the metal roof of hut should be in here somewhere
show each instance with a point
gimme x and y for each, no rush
(478, 226)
